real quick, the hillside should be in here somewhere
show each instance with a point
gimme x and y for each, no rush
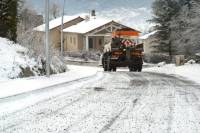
(16, 62)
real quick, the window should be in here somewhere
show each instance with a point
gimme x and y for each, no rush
(100, 42)
(90, 43)
(74, 40)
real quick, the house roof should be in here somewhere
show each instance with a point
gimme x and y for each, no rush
(56, 22)
(146, 36)
(87, 25)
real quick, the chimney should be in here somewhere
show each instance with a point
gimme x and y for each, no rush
(93, 14)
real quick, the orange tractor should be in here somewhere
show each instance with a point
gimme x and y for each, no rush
(123, 51)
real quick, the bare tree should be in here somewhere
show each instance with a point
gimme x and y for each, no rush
(29, 19)
(25, 34)
(34, 41)
(54, 10)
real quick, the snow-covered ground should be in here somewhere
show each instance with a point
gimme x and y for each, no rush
(72, 59)
(21, 85)
(187, 71)
(103, 102)
(119, 102)
(18, 86)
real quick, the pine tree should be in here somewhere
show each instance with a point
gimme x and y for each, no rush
(8, 17)
(163, 11)
(186, 28)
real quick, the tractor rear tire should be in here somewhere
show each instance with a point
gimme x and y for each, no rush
(131, 68)
(106, 64)
(114, 69)
(140, 68)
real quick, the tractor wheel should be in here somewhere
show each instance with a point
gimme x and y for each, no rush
(108, 65)
(104, 62)
(104, 68)
(135, 68)
(131, 69)
(114, 69)
(139, 68)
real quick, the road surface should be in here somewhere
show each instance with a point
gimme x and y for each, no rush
(120, 102)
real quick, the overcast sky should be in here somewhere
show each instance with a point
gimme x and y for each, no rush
(76, 6)
(133, 13)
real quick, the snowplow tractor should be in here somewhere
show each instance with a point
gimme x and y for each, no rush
(122, 52)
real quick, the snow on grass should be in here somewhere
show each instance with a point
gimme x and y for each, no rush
(18, 86)
(12, 57)
(188, 71)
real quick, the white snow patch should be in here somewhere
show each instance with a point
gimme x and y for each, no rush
(147, 35)
(161, 64)
(191, 61)
(188, 71)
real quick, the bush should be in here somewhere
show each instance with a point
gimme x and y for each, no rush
(56, 65)
(198, 57)
(156, 58)
(86, 55)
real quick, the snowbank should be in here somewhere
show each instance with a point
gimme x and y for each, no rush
(18, 86)
(13, 58)
(188, 71)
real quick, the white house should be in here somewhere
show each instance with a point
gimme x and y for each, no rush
(148, 41)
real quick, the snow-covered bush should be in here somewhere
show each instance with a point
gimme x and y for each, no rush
(191, 61)
(35, 44)
(57, 65)
(15, 62)
(197, 57)
(161, 64)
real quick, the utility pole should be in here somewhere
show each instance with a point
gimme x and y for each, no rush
(62, 41)
(47, 38)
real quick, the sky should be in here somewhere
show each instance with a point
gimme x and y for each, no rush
(74, 6)
(133, 13)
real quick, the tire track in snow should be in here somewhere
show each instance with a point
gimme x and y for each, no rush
(48, 112)
(44, 89)
(147, 107)
(111, 122)
(192, 102)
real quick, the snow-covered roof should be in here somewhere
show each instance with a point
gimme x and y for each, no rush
(56, 22)
(147, 35)
(87, 25)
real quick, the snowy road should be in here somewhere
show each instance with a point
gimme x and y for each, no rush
(119, 102)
